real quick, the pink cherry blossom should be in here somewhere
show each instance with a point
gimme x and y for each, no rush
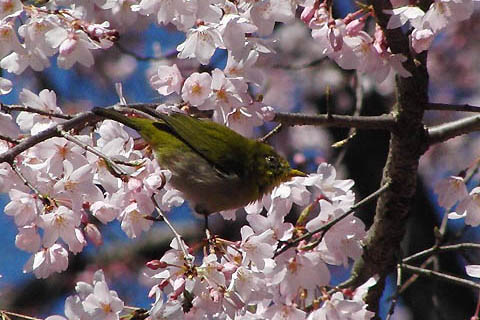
(402, 15)
(45, 101)
(197, 88)
(200, 44)
(62, 223)
(450, 190)
(167, 80)
(257, 248)
(10, 8)
(47, 261)
(28, 238)
(103, 303)
(24, 207)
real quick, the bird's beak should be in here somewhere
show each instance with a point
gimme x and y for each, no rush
(296, 173)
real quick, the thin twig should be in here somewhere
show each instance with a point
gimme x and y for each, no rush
(273, 132)
(452, 107)
(395, 295)
(22, 316)
(353, 131)
(328, 102)
(28, 184)
(10, 108)
(383, 122)
(414, 277)
(8, 139)
(178, 237)
(441, 276)
(118, 172)
(331, 223)
(434, 250)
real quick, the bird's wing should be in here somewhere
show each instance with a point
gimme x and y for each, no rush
(223, 148)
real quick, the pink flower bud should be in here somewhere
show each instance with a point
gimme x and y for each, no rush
(156, 264)
(93, 234)
(307, 14)
(354, 27)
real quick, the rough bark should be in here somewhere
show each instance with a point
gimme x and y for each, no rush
(408, 141)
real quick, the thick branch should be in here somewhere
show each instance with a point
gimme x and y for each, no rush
(87, 118)
(384, 122)
(453, 129)
(407, 143)
(78, 122)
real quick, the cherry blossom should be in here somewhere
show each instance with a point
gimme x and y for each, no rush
(450, 190)
(24, 207)
(268, 274)
(103, 303)
(28, 239)
(62, 223)
(45, 101)
(200, 44)
(10, 8)
(167, 80)
(72, 47)
(197, 88)
(257, 248)
(93, 301)
(47, 260)
(473, 270)
(469, 208)
(9, 40)
(402, 15)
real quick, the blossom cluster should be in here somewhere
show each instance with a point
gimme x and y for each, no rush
(253, 278)
(59, 186)
(92, 301)
(427, 24)
(71, 186)
(47, 32)
(453, 190)
(73, 29)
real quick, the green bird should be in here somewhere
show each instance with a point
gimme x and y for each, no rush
(213, 166)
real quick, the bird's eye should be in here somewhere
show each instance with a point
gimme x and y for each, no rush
(272, 162)
(270, 159)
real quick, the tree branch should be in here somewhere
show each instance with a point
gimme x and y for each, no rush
(407, 143)
(383, 122)
(453, 129)
(441, 276)
(331, 223)
(434, 250)
(10, 108)
(452, 107)
(79, 121)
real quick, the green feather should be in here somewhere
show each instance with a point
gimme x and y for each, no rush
(222, 147)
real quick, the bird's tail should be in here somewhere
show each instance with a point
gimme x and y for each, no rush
(117, 116)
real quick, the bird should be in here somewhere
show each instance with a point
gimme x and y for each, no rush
(214, 167)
